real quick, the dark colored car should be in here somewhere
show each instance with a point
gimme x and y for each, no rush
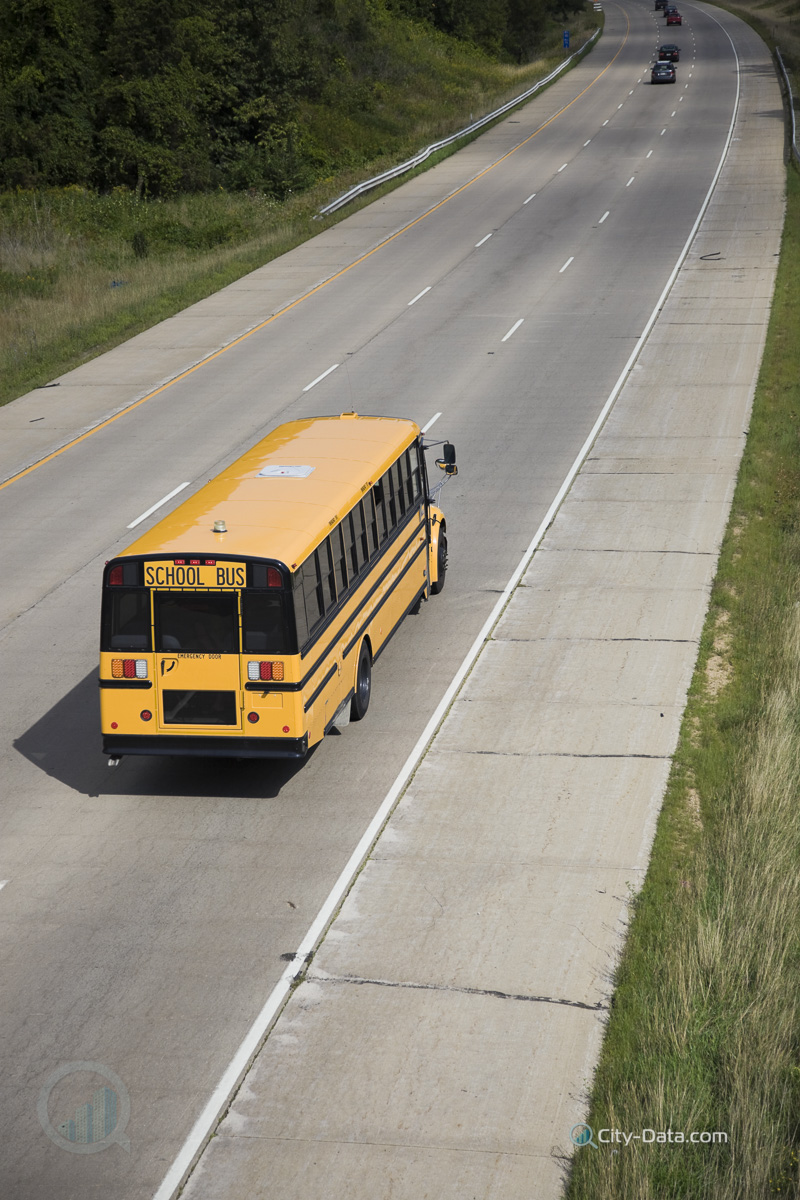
(661, 4)
(674, 18)
(669, 9)
(669, 53)
(663, 72)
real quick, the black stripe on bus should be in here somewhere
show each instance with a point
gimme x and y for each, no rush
(264, 686)
(372, 615)
(366, 599)
(125, 683)
(333, 671)
(398, 623)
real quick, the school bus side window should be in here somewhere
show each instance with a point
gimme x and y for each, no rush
(327, 573)
(299, 601)
(342, 543)
(369, 509)
(412, 476)
(381, 510)
(312, 592)
(388, 501)
(399, 480)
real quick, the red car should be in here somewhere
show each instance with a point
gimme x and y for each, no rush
(674, 19)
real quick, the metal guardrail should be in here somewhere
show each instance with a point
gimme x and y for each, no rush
(393, 172)
(795, 151)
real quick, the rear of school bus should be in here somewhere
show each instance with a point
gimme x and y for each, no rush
(199, 643)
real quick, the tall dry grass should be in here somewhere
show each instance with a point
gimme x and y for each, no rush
(705, 1034)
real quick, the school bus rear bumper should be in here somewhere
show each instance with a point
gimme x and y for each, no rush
(117, 745)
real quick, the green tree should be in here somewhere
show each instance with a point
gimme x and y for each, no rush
(48, 83)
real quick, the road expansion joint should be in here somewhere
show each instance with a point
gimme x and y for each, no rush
(571, 639)
(562, 754)
(629, 550)
(360, 981)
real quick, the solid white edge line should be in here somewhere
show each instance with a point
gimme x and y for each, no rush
(212, 1111)
(605, 214)
(434, 418)
(424, 292)
(485, 239)
(319, 378)
(513, 329)
(566, 264)
(153, 507)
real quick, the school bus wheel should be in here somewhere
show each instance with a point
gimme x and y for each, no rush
(441, 563)
(361, 695)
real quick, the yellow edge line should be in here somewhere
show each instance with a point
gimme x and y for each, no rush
(257, 328)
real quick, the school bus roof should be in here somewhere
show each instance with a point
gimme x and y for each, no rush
(283, 516)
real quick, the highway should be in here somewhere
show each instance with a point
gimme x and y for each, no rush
(147, 911)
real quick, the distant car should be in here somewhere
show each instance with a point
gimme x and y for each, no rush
(674, 18)
(663, 72)
(669, 8)
(669, 53)
(661, 4)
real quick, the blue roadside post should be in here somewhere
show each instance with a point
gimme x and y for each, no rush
(566, 39)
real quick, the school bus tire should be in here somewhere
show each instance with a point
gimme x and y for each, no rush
(363, 685)
(441, 563)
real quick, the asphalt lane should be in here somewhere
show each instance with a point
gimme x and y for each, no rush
(147, 909)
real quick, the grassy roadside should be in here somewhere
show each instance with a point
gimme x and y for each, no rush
(704, 1032)
(80, 273)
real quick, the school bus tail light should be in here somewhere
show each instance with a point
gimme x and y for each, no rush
(265, 672)
(129, 668)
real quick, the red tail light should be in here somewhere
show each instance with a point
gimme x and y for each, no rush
(115, 576)
(274, 577)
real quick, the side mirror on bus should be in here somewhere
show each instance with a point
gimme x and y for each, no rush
(447, 462)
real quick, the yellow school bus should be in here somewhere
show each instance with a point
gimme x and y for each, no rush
(246, 623)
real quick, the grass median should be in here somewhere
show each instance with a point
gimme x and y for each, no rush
(704, 1031)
